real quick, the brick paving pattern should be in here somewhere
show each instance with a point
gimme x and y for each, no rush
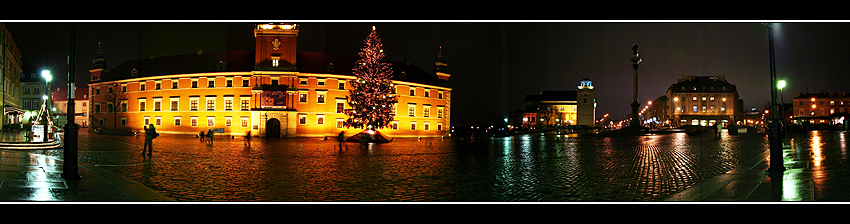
(526, 168)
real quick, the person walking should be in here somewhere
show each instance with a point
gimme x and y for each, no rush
(150, 134)
(202, 136)
(248, 139)
(341, 139)
(210, 136)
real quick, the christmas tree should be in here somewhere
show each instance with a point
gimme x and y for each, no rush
(371, 96)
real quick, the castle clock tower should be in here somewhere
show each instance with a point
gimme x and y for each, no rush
(275, 49)
(586, 104)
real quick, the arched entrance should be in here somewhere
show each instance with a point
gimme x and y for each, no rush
(272, 128)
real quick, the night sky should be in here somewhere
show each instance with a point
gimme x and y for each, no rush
(494, 64)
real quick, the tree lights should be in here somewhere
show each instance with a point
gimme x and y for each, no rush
(372, 92)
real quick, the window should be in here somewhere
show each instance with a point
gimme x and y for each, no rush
(210, 104)
(177, 121)
(193, 104)
(228, 104)
(157, 120)
(174, 83)
(229, 83)
(695, 109)
(340, 106)
(320, 119)
(302, 82)
(427, 126)
(210, 83)
(123, 121)
(228, 121)
(141, 105)
(321, 82)
(244, 82)
(339, 123)
(109, 107)
(439, 112)
(147, 120)
(413, 125)
(426, 111)
(302, 119)
(412, 91)
(320, 98)
(244, 122)
(244, 105)
(393, 112)
(193, 121)
(439, 126)
(157, 104)
(440, 95)
(341, 85)
(141, 86)
(123, 106)
(194, 83)
(175, 103)
(411, 109)
(158, 85)
(427, 93)
(109, 89)
(124, 88)
(302, 97)
(395, 125)
(210, 121)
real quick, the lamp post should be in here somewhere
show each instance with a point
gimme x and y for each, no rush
(775, 141)
(47, 77)
(70, 170)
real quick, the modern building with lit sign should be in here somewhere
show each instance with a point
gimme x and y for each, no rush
(274, 91)
(559, 108)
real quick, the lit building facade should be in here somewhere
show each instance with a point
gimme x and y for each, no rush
(559, 108)
(703, 101)
(821, 107)
(60, 103)
(274, 91)
(10, 71)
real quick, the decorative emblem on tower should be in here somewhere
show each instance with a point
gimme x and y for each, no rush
(276, 43)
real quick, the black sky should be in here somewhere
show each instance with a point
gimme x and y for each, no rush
(494, 64)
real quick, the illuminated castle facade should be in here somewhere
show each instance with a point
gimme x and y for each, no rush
(558, 108)
(274, 91)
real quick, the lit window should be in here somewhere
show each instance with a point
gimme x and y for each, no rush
(175, 103)
(228, 121)
(426, 111)
(302, 97)
(395, 125)
(411, 109)
(193, 104)
(339, 123)
(244, 122)
(193, 121)
(302, 119)
(320, 119)
(210, 121)
(228, 104)
(244, 105)
(210, 104)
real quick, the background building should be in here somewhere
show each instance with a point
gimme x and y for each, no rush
(823, 107)
(558, 108)
(273, 91)
(704, 101)
(60, 102)
(10, 70)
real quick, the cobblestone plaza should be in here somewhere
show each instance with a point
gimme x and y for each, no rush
(523, 168)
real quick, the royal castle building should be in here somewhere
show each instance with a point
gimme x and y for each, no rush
(703, 101)
(273, 91)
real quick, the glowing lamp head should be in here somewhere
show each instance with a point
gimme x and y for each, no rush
(780, 84)
(46, 75)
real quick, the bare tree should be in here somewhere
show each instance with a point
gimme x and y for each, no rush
(114, 99)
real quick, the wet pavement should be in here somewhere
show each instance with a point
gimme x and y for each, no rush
(524, 168)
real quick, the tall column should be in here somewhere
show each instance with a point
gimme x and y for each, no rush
(635, 122)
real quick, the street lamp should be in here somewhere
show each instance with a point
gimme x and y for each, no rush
(774, 140)
(47, 77)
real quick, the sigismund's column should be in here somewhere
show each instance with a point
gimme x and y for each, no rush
(635, 122)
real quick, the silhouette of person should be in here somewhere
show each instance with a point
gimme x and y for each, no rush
(150, 134)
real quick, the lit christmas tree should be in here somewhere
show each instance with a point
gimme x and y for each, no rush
(371, 96)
